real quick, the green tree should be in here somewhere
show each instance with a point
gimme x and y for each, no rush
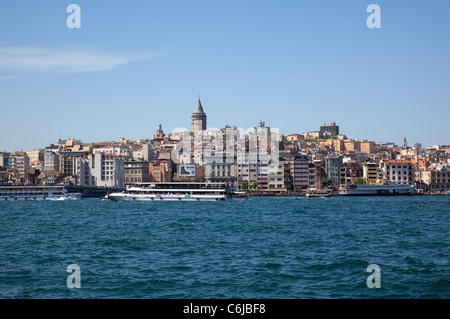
(244, 185)
(358, 180)
(254, 185)
(325, 182)
(203, 179)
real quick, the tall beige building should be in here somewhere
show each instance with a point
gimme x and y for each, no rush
(367, 147)
(352, 145)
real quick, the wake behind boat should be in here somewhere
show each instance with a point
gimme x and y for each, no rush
(174, 191)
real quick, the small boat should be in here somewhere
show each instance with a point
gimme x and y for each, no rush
(106, 197)
(241, 195)
(319, 193)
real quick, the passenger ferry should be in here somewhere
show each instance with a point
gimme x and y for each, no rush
(13, 193)
(377, 189)
(174, 191)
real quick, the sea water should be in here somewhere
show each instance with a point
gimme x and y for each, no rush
(263, 247)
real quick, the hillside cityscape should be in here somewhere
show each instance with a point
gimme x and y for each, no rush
(260, 160)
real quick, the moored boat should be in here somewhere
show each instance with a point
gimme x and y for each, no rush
(241, 195)
(380, 189)
(319, 193)
(14, 193)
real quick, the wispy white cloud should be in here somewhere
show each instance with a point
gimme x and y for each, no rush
(68, 60)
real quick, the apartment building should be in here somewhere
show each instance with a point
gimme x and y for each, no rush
(300, 172)
(136, 171)
(397, 170)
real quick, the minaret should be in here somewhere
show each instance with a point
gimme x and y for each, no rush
(198, 118)
(405, 144)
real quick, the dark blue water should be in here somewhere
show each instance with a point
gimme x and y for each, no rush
(278, 247)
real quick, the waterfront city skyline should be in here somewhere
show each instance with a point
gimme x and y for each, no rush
(294, 65)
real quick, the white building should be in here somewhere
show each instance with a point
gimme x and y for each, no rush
(35, 155)
(275, 177)
(221, 167)
(104, 170)
(252, 167)
(398, 171)
(119, 150)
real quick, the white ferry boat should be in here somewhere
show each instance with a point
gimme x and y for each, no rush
(174, 191)
(377, 189)
(13, 193)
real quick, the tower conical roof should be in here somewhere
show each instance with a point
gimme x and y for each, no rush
(199, 108)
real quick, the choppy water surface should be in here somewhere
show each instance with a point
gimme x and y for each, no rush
(277, 247)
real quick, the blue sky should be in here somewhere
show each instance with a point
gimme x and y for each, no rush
(293, 64)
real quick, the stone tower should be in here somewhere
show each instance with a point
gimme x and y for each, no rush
(198, 118)
(159, 134)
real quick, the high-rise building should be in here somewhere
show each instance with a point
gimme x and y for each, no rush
(22, 164)
(300, 172)
(51, 161)
(330, 129)
(333, 169)
(104, 170)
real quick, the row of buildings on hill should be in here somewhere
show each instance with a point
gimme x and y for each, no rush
(260, 158)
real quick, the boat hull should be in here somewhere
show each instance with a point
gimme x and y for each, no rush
(41, 198)
(378, 190)
(173, 198)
